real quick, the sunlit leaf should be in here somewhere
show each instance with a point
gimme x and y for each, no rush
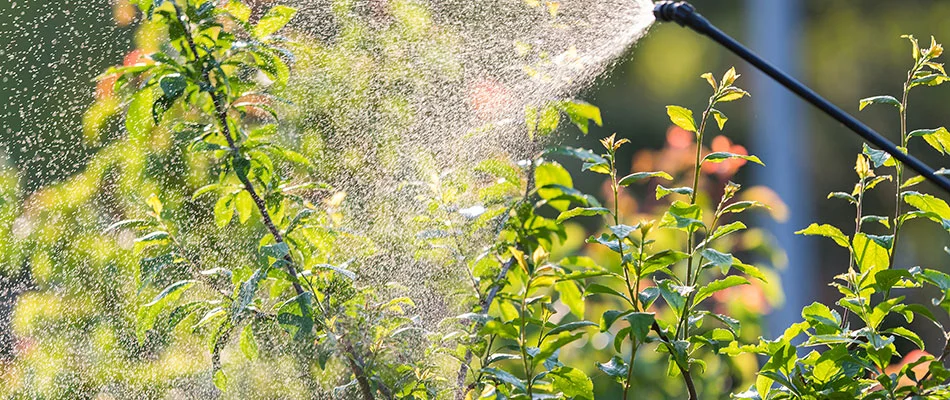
(682, 117)
(879, 100)
(827, 231)
(273, 20)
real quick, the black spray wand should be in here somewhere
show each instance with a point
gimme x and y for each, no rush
(685, 14)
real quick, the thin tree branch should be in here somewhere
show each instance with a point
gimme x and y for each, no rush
(221, 113)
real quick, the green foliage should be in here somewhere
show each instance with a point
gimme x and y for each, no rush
(247, 267)
(851, 353)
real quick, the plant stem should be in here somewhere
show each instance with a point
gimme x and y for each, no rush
(221, 113)
(492, 293)
(626, 271)
(633, 357)
(898, 167)
(486, 304)
(941, 359)
(857, 229)
(523, 340)
(687, 378)
(683, 330)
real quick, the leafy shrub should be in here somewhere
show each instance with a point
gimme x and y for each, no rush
(855, 349)
(253, 256)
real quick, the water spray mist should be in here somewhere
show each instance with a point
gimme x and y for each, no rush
(685, 14)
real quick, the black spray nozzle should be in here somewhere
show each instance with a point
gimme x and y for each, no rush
(673, 11)
(682, 13)
(685, 14)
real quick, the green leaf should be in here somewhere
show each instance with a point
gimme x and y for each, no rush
(238, 10)
(885, 221)
(548, 120)
(247, 343)
(826, 231)
(927, 203)
(598, 167)
(820, 314)
(581, 113)
(209, 316)
(273, 20)
(173, 85)
(936, 278)
(548, 174)
(174, 288)
(648, 296)
(584, 155)
(938, 138)
(640, 324)
(148, 313)
(531, 120)
(731, 323)
(611, 316)
(615, 368)
(868, 254)
(725, 230)
(682, 117)
(296, 316)
(886, 279)
(504, 377)
(610, 242)
(138, 119)
(596, 288)
(731, 93)
(720, 118)
(662, 191)
(718, 285)
(930, 80)
(843, 196)
(246, 293)
(674, 295)
(276, 250)
(721, 156)
(582, 211)
(749, 270)
(570, 295)
(879, 100)
(548, 347)
(661, 260)
(155, 204)
(623, 231)
(156, 238)
(639, 176)
(244, 205)
(220, 380)
(495, 327)
(907, 334)
(339, 270)
(223, 211)
(501, 357)
(721, 260)
(717, 338)
(571, 383)
(913, 181)
(570, 326)
(683, 216)
(741, 206)
(132, 223)
(150, 268)
(878, 157)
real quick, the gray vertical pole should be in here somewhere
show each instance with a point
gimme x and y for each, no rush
(780, 137)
